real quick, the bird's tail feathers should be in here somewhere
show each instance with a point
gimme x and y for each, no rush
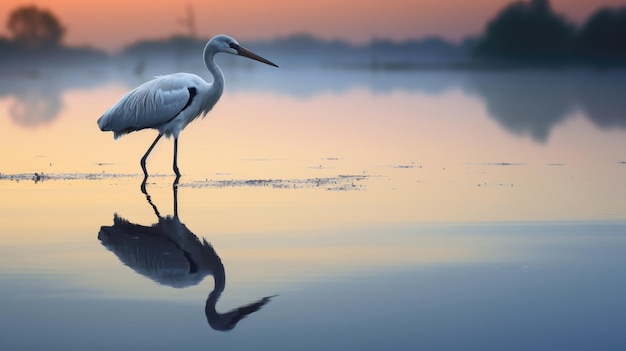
(103, 123)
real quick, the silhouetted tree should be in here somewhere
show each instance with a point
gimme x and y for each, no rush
(603, 35)
(527, 30)
(35, 28)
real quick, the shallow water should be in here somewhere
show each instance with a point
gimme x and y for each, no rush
(373, 210)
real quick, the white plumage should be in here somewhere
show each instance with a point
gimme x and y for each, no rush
(160, 104)
(169, 102)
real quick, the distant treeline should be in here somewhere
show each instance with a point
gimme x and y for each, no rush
(305, 49)
(524, 32)
(531, 31)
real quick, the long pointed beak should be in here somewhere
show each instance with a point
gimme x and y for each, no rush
(249, 54)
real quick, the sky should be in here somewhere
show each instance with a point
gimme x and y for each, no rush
(112, 24)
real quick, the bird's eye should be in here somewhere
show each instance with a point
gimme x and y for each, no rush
(232, 45)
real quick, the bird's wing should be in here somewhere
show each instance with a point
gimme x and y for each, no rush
(149, 252)
(149, 105)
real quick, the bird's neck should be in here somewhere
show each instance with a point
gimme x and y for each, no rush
(219, 285)
(216, 72)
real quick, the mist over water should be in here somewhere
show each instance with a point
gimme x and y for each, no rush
(380, 209)
(528, 102)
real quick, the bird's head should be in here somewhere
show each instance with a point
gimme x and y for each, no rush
(227, 44)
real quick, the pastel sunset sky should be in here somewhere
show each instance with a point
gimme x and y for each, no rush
(112, 24)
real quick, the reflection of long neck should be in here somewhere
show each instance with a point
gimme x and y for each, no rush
(220, 283)
(227, 321)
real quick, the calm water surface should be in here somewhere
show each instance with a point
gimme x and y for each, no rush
(319, 209)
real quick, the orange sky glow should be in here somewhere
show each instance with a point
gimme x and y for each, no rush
(112, 24)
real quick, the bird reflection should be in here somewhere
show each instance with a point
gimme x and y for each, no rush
(170, 254)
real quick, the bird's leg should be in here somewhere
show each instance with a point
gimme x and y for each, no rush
(175, 184)
(143, 186)
(156, 210)
(143, 162)
(176, 171)
(175, 196)
(145, 156)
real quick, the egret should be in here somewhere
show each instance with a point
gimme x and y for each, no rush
(169, 102)
(168, 253)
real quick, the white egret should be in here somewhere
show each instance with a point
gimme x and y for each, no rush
(169, 102)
